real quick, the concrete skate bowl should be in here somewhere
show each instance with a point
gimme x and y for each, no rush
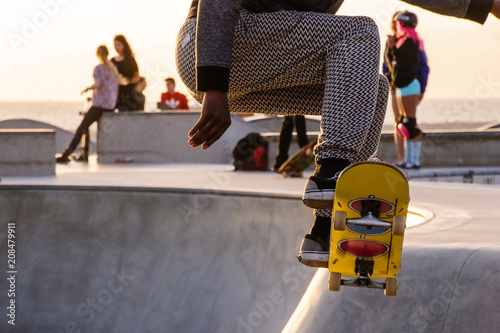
(151, 260)
(109, 259)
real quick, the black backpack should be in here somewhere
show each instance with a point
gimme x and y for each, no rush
(251, 153)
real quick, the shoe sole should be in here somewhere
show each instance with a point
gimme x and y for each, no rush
(319, 199)
(314, 259)
(318, 204)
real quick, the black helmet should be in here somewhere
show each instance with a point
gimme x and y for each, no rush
(407, 19)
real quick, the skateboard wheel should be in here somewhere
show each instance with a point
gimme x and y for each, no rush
(339, 220)
(398, 225)
(391, 287)
(334, 281)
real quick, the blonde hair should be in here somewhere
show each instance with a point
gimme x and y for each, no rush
(102, 53)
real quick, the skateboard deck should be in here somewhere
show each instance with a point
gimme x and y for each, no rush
(368, 225)
(301, 160)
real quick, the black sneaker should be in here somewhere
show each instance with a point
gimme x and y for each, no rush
(62, 158)
(320, 192)
(410, 166)
(400, 164)
(314, 252)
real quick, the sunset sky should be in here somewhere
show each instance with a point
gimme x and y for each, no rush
(47, 47)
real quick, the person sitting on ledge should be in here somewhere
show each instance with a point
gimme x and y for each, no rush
(105, 94)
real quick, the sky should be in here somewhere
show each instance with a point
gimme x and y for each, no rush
(47, 47)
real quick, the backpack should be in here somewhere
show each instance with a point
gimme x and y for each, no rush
(251, 153)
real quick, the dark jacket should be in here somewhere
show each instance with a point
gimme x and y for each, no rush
(406, 58)
(422, 73)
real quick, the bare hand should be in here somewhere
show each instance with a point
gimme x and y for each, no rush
(215, 119)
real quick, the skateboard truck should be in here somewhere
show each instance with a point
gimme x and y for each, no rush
(370, 206)
(363, 266)
(365, 269)
(369, 221)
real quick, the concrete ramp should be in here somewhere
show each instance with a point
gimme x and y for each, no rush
(151, 260)
(441, 289)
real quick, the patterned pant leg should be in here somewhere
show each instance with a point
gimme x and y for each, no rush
(370, 145)
(292, 63)
(372, 140)
(185, 58)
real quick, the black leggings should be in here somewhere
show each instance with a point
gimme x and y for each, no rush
(289, 122)
(93, 114)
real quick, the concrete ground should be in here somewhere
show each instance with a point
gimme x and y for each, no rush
(200, 248)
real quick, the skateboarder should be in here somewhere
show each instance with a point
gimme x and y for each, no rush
(295, 57)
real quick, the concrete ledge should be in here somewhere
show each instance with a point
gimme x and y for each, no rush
(451, 148)
(27, 152)
(161, 137)
(440, 148)
(477, 175)
(63, 137)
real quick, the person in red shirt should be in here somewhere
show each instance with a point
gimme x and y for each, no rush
(173, 99)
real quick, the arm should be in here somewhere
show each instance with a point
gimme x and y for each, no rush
(96, 85)
(134, 68)
(135, 79)
(216, 23)
(98, 71)
(423, 73)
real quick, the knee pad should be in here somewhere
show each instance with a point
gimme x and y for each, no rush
(407, 128)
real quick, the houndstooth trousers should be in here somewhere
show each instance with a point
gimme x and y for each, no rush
(304, 63)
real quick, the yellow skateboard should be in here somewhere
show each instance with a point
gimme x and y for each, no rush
(368, 225)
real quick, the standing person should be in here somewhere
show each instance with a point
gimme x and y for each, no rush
(172, 99)
(105, 93)
(127, 67)
(403, 60)
(295, 57)
(285, 139)
(422, 77)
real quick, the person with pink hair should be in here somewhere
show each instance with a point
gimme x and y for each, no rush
(403, 58)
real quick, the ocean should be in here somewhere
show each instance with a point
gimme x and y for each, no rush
(432, 113)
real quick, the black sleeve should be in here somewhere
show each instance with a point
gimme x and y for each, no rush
(478, 10)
